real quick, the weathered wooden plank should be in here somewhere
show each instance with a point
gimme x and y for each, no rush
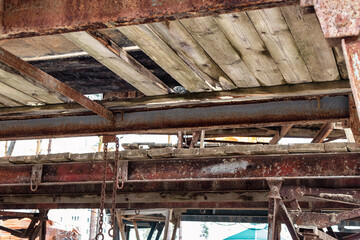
(208, 34)
(278, 136)
(13, 79)
(180, 40)
(121, 63)
(323, 133)
(18, 96)
(275, 33)
(245, 39)
(7, 102)
(52, 83)
(312, 44)
(340, 59)
(237, 95)
(165, 57)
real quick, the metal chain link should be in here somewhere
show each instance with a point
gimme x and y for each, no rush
(100, 234)
(115, 184)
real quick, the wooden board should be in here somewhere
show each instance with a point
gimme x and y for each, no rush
(312, 44)
(245, 39)
(18, 96)
(340, 60)
(14, 80)
(275, 33)
(7, 102)
(121, 64)
(180, 40)
(208, 34)
(35, 47)
(144, 37)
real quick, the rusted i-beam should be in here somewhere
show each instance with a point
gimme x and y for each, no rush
(40, 17)
(52, 83)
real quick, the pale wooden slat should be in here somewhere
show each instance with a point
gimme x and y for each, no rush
(121, 64)
(208, 34)
(340, 60)
(312, 44)
(13, 79)
(18, 96)
(144, 37)
(275, 33)
(243, 36)
(7, 102)
(180, 40)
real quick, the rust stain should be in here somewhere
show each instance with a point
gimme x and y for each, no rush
(338, 18)
(40, 17)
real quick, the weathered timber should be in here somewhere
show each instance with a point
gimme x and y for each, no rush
(276, 35)
(52, 83)
(8, 102)
(238, 95)
(180, 40)
(318, 56)
(189, 118)
(283, 131)
(159, 51)
(323, 133)
(40, 17)
(241, 33)
(120, 62)
(340, 60)
(208, 34)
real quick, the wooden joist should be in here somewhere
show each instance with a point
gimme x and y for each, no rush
(54, 85)
(211, 38)
(275, 33)
(284, 130)
(181, 41)
(120, 62)
(312, 44)
(23, 90)
(323, 133)
(159, 51)
(243, 36)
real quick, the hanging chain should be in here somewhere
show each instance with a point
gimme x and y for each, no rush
(115, 187)
(100, 234)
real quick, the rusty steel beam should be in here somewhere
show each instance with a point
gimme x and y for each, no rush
(52, 83)
(352, 57)
(252, 167)
(190, 117)
(337, 18)
(323, 133)
(40, 17)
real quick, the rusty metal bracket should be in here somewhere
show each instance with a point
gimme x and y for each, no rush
(109, 139)
(36, 174)
(338, 19)
(323, 220)
(312, 233)
(122, 173)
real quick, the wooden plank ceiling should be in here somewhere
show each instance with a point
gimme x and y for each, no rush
(270, 47)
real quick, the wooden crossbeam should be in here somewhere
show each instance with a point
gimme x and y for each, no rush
(284, 130)
(52, 83)
(323, 133)
(119, 61)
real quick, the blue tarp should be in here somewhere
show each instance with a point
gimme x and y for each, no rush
(250, 234)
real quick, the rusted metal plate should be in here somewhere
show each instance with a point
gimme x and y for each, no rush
(22, 18)
(295, 166)
(338, 18)
(352, 57)
(192, 117)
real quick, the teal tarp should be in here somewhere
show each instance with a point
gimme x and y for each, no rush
(250, 234)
